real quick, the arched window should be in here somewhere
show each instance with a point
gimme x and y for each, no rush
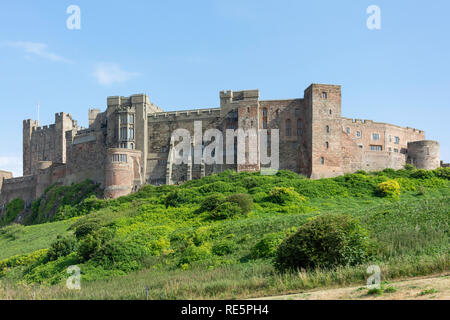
(288, 128)
(322, 160)
(327, 145)
(327, 129)
(299, 127)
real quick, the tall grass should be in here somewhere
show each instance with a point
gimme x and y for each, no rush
(170, 248)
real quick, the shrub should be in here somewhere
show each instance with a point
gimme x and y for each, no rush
(243, 200)
(201, 235)
(62, 202)
(360, 185)
(406, 184)
(390, 188)
(409, 167)
(259, 197)
(433, 183)
(12, 210)
(121, 255)
(92, 243)
(287, 174)
(86, 227)
(422, 174)
(193, 253)
(210, 203)
(267, 246)
(223, 247)
(282, 195)
(443, 173)
(179, 197)
(22, 260)
(226, 210)
(325, 241)
(88, 248)
(217, 187)
(62, 247)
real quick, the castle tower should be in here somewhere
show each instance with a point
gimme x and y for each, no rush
(424, 154)
(240, 110)
(128, 124)
(28, 127)
(324, 103)
(63, 123)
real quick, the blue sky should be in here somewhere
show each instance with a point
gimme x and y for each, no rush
(182, 53)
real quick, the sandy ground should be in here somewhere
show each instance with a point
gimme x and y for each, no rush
(435, 287)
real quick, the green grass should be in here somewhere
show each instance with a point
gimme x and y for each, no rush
(33, 238)
(181, 253)
(428, 291)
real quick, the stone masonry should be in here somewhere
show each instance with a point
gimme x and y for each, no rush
(129, 144)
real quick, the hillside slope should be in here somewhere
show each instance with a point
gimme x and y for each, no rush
(216, 237)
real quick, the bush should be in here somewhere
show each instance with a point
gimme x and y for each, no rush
(244, 201)
(422, 174)
(390, 188)
(217, 187)
(121, 255)
(62, 202)
(325, 241)
(284, 195)
(12, 210)
(88, 248)
(409, 167)
(179, 197)
(202, 235)
(443, 173)
(193, 253)
(92, 243)
(62, 247)
(86, 227)
(220, 207)
(22, 260)
(360, 185)
(407, 184)
(267, 246)
(210, 203)
(223, 247)
(226, 210)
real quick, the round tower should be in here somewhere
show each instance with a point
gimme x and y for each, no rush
(424, 154)
(122, 172)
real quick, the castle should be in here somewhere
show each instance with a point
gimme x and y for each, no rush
(130, 145)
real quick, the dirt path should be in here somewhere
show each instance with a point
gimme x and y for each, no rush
(435, 287)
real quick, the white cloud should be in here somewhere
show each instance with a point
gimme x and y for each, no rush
(109, 73)
(12, 164)
(37, 49)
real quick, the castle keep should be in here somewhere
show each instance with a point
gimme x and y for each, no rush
(129, 144)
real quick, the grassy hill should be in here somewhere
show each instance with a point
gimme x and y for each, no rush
(216, 237)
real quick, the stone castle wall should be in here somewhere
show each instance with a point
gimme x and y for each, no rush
(4, 175)
(129, 144)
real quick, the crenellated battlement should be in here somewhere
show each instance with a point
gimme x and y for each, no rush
(185, 115)
(373, 123)
(129, 144)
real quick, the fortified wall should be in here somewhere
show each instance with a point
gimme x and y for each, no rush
(131, 143)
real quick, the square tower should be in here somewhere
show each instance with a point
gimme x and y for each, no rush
(324, 103)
